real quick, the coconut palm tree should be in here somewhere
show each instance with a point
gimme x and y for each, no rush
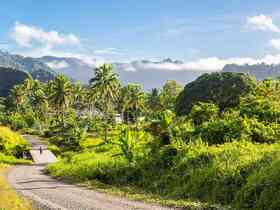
(18, 96)
(105, 84)
(153, 100)
(79, 96)
(134, 100)
(60, 95)
(39, 100)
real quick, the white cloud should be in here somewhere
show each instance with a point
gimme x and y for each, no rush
(204, 64)
(58, 64)
(262, 22)
(37, 42)
(46, 51)
(275, 43)
(108, 51)
(25, 35)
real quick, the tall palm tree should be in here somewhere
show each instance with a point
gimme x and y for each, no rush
(105, 84)
(134, 100)
(153, 100)
(60, 95)
(18, 96)
(38, 99)
(79, 95)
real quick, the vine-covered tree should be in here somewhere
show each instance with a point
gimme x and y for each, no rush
(223, 89)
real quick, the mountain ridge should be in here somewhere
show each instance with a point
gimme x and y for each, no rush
(260, 71)
(38, 70)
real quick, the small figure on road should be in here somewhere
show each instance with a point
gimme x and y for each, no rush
(41, 150)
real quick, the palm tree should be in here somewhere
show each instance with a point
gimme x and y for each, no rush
(134, 100)
(79, 95)
(106, 85)
(153, 100)
(60, 95)
(38, 99)
(18, 96)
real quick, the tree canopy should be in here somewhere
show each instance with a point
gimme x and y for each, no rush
(223, 89)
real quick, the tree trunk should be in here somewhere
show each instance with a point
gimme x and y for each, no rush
(106, 124)
(106, 134)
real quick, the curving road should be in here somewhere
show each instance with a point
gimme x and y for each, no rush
(48, 193)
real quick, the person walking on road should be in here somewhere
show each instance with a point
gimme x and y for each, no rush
(41, 150)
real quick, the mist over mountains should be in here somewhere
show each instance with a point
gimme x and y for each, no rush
(151, 74)
(260, 71)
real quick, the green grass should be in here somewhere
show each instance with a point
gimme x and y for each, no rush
(136, 194)
(11, 160)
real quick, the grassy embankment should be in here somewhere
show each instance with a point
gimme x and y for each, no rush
(236, 174)
(12, 145)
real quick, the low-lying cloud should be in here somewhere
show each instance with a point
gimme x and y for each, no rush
(58, 64)
(204, 64)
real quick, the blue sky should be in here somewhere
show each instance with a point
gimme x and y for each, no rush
(148, 29)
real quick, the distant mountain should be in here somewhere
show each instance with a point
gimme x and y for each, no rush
(73, 68)
(35, 67)
(8, 78)
(149, 73)
(260, 71)
(154, 74)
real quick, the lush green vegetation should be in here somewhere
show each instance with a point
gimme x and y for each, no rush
(216, 141)
(12, 147)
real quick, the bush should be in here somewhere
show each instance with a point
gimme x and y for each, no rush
(262, 189)
(12, 143)
(263, 108)
(221, 130)
(16, 121)
(11, 160)
(203, 112)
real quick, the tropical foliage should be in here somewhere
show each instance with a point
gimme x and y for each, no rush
(212, 141)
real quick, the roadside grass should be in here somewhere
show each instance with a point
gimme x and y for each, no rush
(11, 160)
(9, 200)
(136, 194)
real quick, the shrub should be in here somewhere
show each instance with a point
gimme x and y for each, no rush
(259, 132)
(261, 107)
(12, 143)
(219, 131)
(203, 112)
(17, 121)
(262, 189)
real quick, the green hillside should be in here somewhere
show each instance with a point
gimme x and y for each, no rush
(8, 78)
